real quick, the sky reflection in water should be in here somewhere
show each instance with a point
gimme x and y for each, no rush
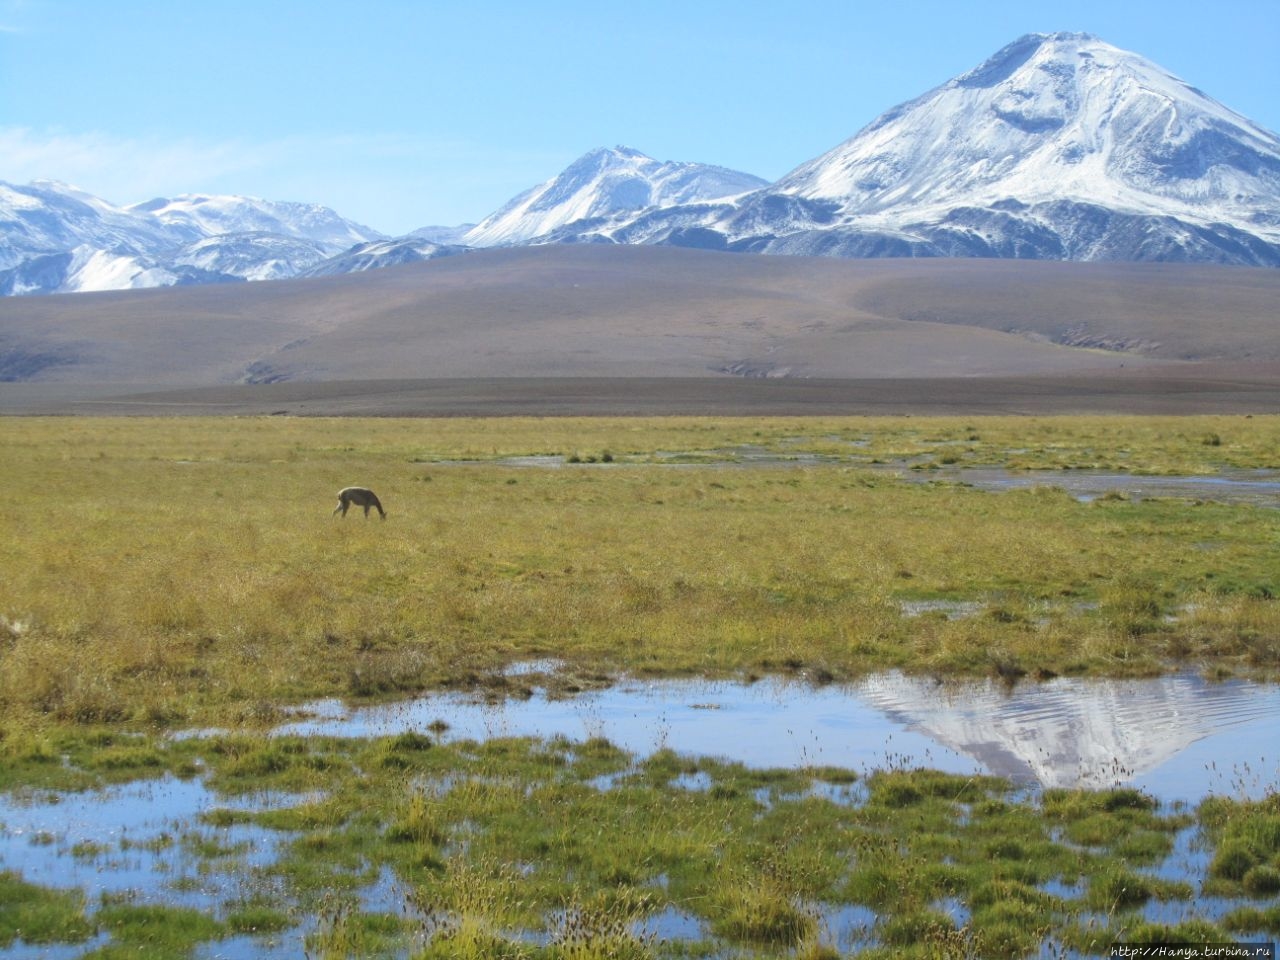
(1178, 737)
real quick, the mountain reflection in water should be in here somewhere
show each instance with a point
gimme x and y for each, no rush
(1094, 733)
(1180, 736)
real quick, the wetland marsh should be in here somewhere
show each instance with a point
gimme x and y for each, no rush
(167, 576)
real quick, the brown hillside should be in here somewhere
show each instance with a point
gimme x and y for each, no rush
(613, 312)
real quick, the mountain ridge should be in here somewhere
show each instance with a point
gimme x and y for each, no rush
(1058, 146)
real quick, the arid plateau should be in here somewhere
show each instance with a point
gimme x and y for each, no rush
(614, 329)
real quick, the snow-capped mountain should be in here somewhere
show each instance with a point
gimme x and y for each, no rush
(603, 183)
(1060, 146)
(85, 269)
(1048, 118)
(449, 236)
(197, 216)
(253, 255)
(55, 238)
(1067, 146)
(48, 217)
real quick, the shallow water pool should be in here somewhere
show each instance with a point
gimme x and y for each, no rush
(1178, 737)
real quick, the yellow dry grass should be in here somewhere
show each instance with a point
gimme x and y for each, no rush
(189, 570)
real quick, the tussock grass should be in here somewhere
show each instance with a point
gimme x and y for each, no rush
(154, 931)
(168, 572)
(1246, 837)
(38, 915)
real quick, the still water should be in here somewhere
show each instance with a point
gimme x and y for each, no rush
(1178, 737)
(1256, 487)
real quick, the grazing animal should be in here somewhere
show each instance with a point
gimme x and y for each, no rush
(361, 497)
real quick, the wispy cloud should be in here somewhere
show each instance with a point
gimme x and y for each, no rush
(125, 169)
(11, 12)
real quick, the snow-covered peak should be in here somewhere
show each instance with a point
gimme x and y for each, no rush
(442, 234)
(602, 183)
(47, 187)
(1052, 117)
(48, 216)
(382, 253)
(204, 215)
(251, 255)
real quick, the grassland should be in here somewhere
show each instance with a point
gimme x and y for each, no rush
(159, 574)
(171, 572)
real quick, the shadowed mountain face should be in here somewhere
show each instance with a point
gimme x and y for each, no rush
(612, 311)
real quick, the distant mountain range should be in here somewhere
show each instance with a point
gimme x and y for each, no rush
(57, 239)
(1059, 147)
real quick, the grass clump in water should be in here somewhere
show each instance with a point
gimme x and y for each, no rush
(761, 910)
(346, 932)
(157, 932)
(40, 915)
(604, 925)
(1116, 889)
(1246, 840)
(257, 917)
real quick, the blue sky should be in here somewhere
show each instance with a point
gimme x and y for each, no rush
(400, 114)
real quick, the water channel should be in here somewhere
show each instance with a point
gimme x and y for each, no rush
(1257, 487)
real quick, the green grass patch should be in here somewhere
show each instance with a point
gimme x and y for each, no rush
(36, 915)
(154, 932)
(258, 919)
(1246, 845)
